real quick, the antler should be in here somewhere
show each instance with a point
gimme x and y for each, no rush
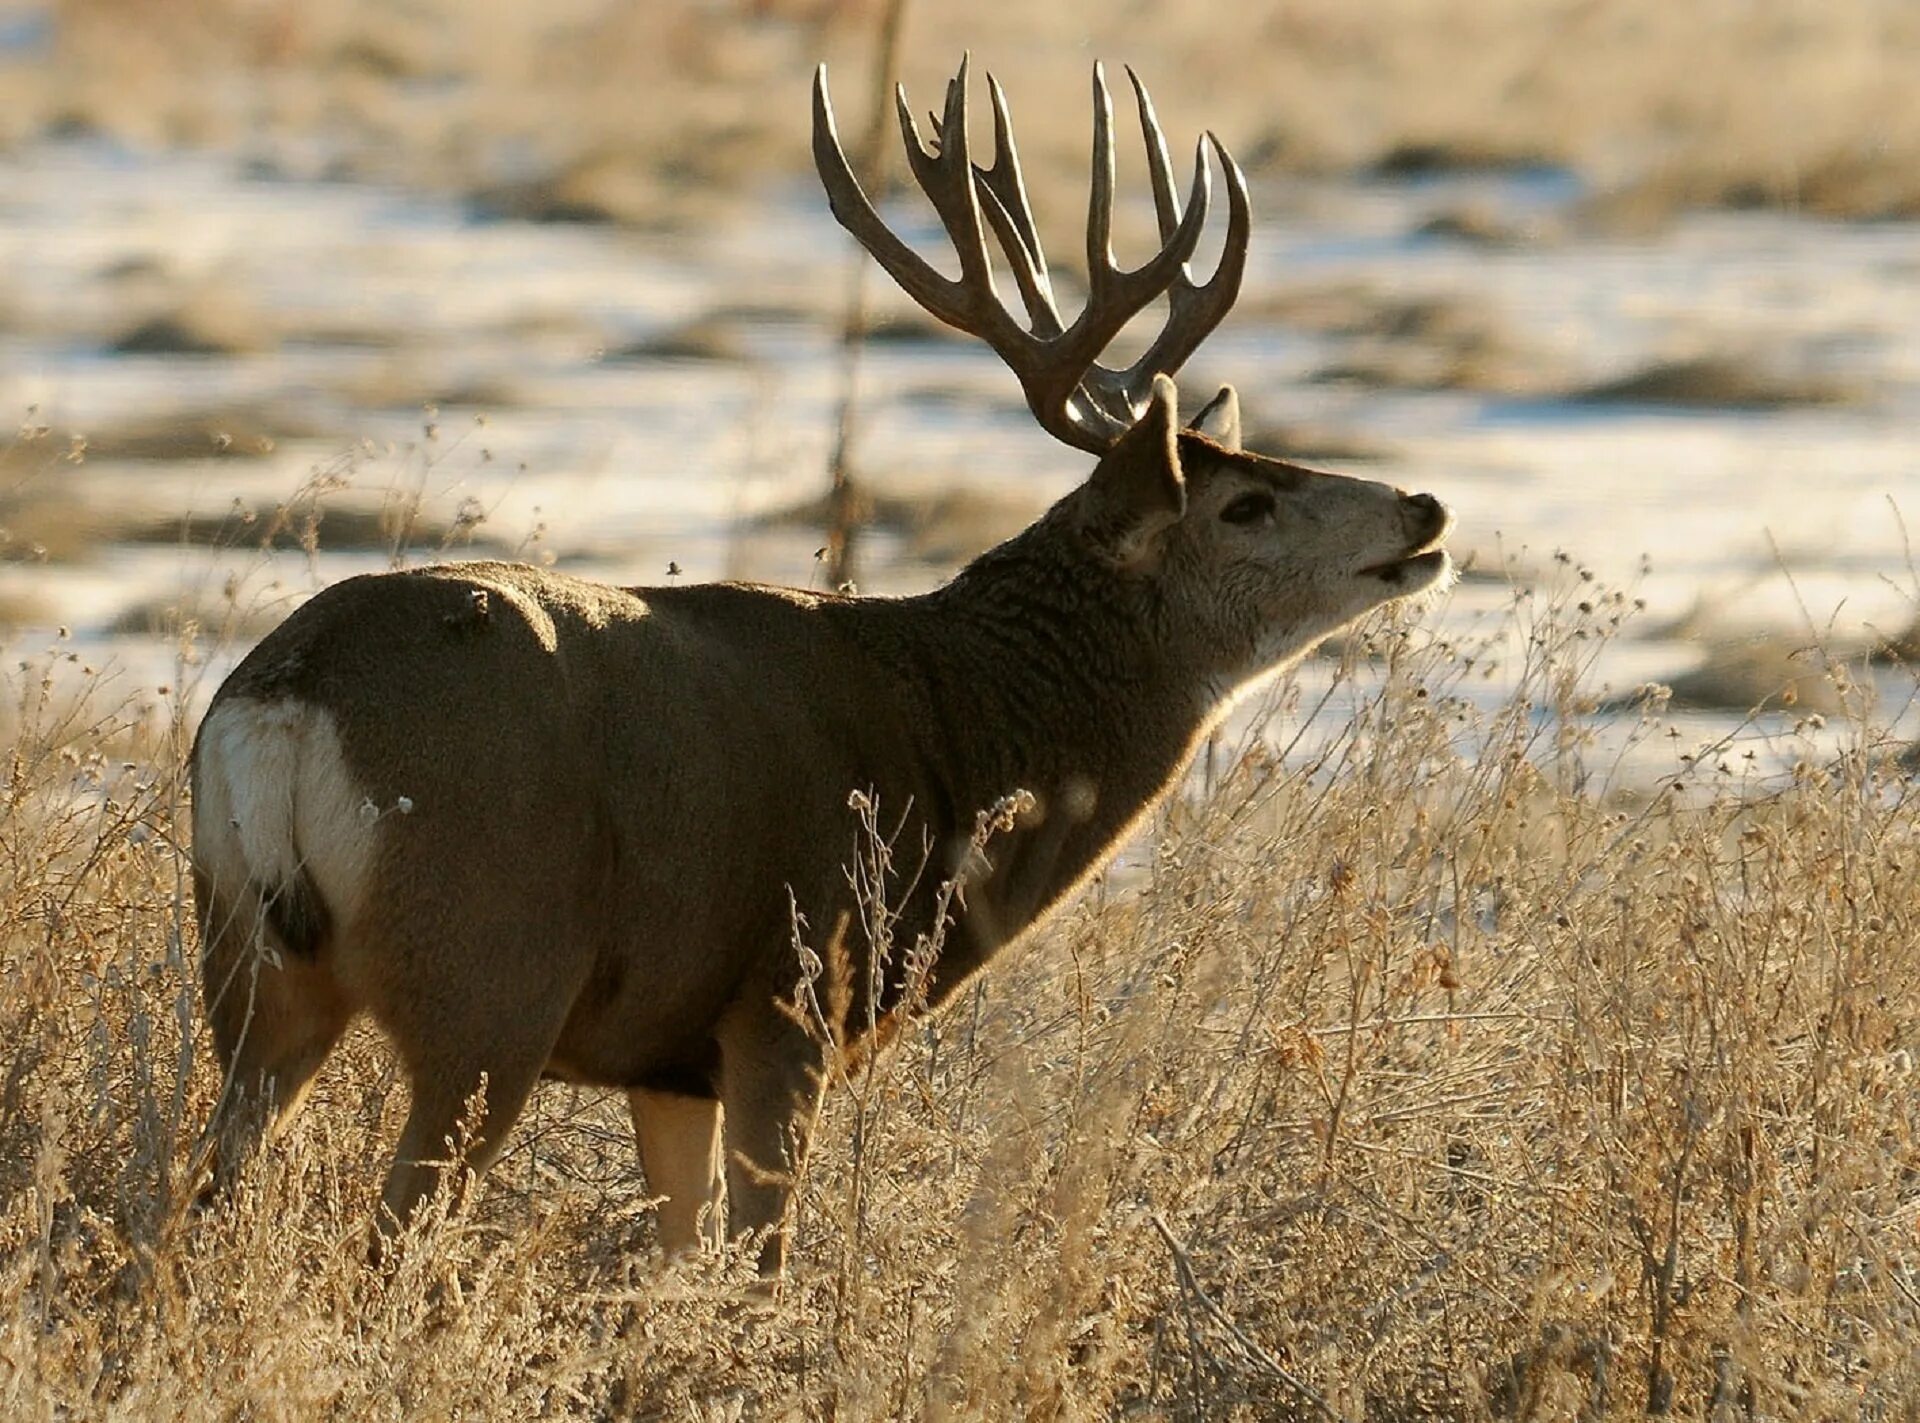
(1074, 397)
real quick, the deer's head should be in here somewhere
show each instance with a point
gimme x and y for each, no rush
(1248, 560)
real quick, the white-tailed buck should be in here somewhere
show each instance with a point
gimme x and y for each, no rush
(537, 826)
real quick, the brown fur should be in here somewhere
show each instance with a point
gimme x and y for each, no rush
(592, 811)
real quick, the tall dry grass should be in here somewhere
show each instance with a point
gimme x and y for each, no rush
(1428, 1072)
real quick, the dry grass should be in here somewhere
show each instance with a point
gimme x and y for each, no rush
(52, 512)
(1764, 672)
(944, 528)
(195, 615)
(704, 338)
(584, 109)
(1721, 381)
(393, 526)
(197, 328)
(1432, 1076)
(1387, 339)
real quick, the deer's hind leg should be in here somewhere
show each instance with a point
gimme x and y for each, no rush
(772, 1072)
(274, 1015)
(442, 1135)
(480, 1023)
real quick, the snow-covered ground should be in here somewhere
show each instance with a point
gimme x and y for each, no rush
(356, 304)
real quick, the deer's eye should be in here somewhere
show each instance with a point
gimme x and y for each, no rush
(1248, 508)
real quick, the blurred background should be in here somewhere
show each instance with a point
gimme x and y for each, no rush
(290, 291)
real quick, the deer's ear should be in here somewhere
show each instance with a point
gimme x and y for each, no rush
(1219, 419)
(1137, 490)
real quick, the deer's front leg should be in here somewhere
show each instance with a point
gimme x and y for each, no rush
(679, 1139)
(771, 1076)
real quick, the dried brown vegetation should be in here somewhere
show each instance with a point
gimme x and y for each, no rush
(1764, 672)
(1720, 381)
(588, 110)
(197, 615)
(1426, 1075)
(394, 525)
(945, 528)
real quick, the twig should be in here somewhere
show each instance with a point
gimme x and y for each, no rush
(842, 498)
(1259, 1353)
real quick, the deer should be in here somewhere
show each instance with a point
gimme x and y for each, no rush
(541, 827)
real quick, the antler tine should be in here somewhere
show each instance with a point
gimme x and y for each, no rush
(944, 172)
(1159, 168)
(1116, 297)
(1196, 310)
(1003, 191)
(954, 198)
(917, 150)
(1100, 267)
(1106, 282)
(855, 212)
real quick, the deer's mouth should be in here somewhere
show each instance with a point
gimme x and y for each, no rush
(1424, 562)
(1415, 570)
(1421, 564)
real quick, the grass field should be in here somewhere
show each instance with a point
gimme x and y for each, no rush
(1430, 1075)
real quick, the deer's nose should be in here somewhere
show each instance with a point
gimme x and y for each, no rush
(1427, 516)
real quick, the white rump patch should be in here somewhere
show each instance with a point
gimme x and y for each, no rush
(273, 794)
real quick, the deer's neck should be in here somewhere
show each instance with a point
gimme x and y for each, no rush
(1046, 677)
